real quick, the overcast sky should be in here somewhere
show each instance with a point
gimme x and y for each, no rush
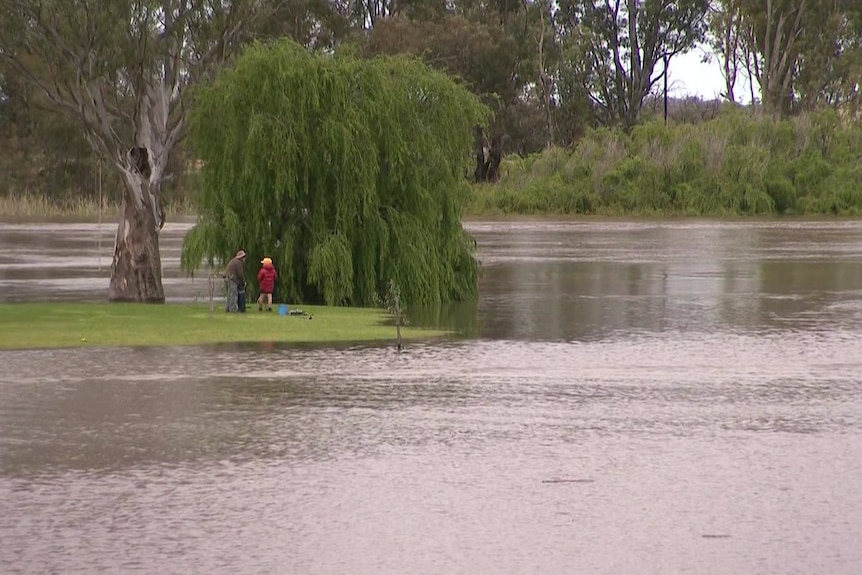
(690, 76)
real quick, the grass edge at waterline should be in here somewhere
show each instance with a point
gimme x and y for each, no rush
(53, 325)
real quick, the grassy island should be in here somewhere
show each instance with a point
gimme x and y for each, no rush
(68, 325)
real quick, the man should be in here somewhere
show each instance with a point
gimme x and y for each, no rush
(235, 277)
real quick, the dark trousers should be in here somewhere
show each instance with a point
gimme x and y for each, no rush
(240, 298)
(235, 300)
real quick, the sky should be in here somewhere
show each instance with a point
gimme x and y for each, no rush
(690, 76)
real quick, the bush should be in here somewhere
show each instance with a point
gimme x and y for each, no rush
(736, 163)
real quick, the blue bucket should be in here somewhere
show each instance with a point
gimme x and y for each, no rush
(283, 309)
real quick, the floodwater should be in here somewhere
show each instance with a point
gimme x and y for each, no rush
(627, 397)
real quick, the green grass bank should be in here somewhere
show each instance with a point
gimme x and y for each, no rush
(70, 325)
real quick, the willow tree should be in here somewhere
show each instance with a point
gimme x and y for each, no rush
(347, 172)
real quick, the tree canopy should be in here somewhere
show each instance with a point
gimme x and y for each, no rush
(622, 42)
(549, 70)
(119, 71)
(346, 172)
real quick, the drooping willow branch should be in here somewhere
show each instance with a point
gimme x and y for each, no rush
(346, 172)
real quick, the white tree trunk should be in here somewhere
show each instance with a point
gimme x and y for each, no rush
(123, 83)
(136, 271)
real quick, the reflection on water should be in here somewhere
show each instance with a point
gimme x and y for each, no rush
(586, 281)
(670, 397)
(548, 280)
(103, 414)
(72, 262)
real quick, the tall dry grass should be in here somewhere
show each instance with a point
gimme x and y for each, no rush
(31, 206)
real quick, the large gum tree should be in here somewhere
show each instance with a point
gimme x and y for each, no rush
(623, 47)
(120, 69)
(347, 172)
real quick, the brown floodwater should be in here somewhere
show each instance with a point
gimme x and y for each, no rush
(626, 397)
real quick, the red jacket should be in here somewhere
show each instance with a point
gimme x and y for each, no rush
(266, 278)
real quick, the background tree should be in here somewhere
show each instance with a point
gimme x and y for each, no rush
(623, 41)
(727, 41)
(830, 57)
(346, 172)
(120, 71)
(315, 24)
(775, 31)
(41, 152)
(575, 111)
(544, 46)
(490, 47)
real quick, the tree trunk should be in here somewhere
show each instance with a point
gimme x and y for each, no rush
(780, 55)
(495, 156)
(481, 171)
(136, 271)
(488, 158)
(545, 83)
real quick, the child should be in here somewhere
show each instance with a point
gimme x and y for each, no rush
(266, 280)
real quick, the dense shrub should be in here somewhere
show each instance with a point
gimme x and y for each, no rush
(738, 163)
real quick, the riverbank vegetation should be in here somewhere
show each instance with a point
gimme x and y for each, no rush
(543, 68)
(63, 325)
(734, 164)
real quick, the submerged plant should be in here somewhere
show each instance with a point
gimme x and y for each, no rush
(391, 302)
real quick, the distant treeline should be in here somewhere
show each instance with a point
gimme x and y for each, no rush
(738, 163)
(702, 162)
(46, 162)
(556, 75)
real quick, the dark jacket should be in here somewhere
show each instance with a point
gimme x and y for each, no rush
(266, 278)
(234, 271)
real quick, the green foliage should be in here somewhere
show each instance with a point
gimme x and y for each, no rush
(330, 266)
(493, 48)
(73, 325)
(736, 164)
(601, 37)
(489, 47)
(347, 173)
